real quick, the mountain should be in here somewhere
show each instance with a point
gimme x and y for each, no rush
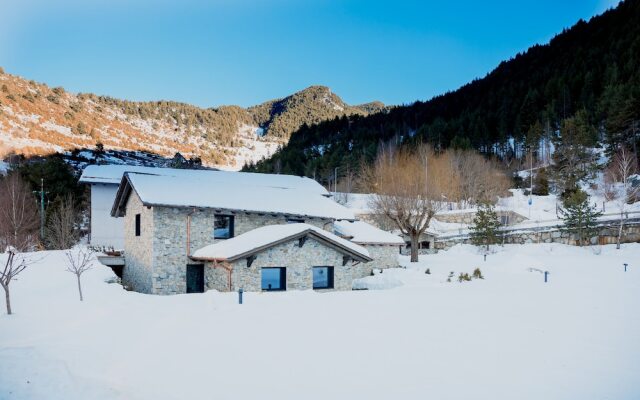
(591, 70)
(37, 120)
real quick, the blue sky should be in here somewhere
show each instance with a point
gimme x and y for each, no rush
(244, 52)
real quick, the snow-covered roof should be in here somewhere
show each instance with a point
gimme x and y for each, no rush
(205, 191)
(112, 174)
(268, 236)
(364, 233)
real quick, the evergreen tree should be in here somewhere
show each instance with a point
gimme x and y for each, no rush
(580, 217)
(573, 161)
(486, 226)
(541, 183)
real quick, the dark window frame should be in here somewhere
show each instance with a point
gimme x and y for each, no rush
(330, 274)
(138, 224)
(232, 221)
(283, 279)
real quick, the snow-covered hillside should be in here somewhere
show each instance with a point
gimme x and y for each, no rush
(508, 336)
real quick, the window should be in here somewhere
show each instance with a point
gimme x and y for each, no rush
(137, 224)
(274, 279)
(425, 244)
(223, 227)
(504, 219)
(295, 221)
(323, 277)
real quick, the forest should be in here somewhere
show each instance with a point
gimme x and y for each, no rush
(586, 79)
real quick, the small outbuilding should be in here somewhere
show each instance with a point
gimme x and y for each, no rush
(280, 257)
(384, 247)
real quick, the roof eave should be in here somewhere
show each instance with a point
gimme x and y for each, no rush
(329, 243)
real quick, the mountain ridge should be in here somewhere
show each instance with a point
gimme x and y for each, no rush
(36, 119)
(587, 74)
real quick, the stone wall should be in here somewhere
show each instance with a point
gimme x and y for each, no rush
(607, 234)
(467, 217)
(138, 249)
(299, 262)
(170, 253)
(384, 256)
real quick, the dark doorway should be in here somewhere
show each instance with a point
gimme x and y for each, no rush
(195, 278)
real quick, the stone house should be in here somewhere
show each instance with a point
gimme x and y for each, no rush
(383, 247)
(172, 224)
(104, 180)
(277, 257)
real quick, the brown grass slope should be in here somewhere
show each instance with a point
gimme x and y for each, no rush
(36, 119)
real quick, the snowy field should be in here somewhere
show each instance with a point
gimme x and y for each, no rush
(508, 336)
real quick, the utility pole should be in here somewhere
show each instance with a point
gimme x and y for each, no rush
(530, 179)
(41, 192)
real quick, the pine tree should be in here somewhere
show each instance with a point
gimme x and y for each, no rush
(541, 183)
(486, 226)
(580, 217)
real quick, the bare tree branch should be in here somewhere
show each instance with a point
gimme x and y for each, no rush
(79, 261)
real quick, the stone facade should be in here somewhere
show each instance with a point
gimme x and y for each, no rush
(137, 274)
(156, 261)
(384, 256)
(298, 261)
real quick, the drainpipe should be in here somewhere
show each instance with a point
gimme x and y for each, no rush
(226, 267)
(218, 263)
(189, 214)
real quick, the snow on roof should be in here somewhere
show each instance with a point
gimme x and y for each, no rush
(268, 236)
(364, 233)
(237, 195)
(112, 174)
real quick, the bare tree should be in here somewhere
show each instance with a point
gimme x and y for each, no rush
(19, 219)
(78, 262)
(620, 172)
(14, 265)
(62, 227)
(406, 191)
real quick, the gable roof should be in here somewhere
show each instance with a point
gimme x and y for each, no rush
(198, 191)
(262, 238)
(112, 174)
(364, 233)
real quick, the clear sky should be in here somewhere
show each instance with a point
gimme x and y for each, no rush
(244, 52)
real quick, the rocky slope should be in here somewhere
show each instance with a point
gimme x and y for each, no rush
(36, 120)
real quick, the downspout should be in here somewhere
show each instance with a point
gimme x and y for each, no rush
(224, 265)
(217, 263)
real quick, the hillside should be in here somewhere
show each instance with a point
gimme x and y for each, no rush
(591, 67)
(36, 120)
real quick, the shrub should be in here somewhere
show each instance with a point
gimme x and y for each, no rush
(81, 129)
(5, 89)
(53, 99)
(58, 90)
(11, 97)
(464, 277)
(477, 274)
(29, 97)
(428, 271)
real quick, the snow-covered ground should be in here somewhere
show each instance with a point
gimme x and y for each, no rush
(508, 336)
